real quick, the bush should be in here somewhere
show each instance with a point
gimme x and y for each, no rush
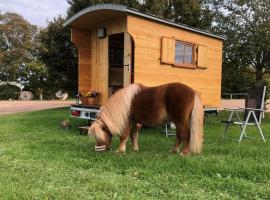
(9, 92)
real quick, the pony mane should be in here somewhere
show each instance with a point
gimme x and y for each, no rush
(115, 113)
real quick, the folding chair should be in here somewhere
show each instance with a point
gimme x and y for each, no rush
(253, 113)
(169, 129)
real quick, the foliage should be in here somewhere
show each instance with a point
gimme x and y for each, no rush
(17, 44)
(191, 12)
(246, 24)
(59, 56)
(18, 52)
(9, 92)
(195, 13)
(39, 160)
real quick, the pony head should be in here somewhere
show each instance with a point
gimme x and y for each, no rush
(102, 135)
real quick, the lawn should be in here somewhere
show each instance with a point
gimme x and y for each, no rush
(39, 160)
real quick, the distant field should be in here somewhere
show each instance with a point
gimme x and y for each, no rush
(39, 160)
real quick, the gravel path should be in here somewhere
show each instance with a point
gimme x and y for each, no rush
(236, 103)
(8, 107)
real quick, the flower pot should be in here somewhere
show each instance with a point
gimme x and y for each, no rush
(90, 100)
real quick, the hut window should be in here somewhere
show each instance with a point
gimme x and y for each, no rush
(184, 54)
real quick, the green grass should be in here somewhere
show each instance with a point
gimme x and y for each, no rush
(39, 160)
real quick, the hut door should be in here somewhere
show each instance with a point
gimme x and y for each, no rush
(128, 59)
(116, 62)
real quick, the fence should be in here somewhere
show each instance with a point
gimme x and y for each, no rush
(236, 95)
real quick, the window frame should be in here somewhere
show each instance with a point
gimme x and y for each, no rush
(193, 65)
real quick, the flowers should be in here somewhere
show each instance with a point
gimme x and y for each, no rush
(90, 98)
(92, 93)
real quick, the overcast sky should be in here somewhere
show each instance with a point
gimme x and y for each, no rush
(35, 11)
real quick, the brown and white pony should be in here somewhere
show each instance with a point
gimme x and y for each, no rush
(136, 104)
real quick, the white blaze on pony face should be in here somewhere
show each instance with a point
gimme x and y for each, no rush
(101, 137)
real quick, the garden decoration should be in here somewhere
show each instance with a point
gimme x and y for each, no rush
(150, 106)
(65, 124)
(26, 96)
(61, 94)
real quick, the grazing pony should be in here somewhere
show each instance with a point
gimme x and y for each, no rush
(136, 104)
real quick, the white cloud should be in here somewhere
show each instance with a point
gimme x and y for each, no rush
(35, 11)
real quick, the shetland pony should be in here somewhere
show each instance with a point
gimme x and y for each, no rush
(137, 105)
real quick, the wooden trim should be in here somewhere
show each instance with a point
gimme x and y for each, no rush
(188, 66)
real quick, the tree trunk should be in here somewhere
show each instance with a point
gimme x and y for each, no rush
(259, 77)
(40, 93)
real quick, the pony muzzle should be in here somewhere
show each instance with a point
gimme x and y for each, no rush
(100, 148)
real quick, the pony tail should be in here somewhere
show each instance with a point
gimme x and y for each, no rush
(196, 126)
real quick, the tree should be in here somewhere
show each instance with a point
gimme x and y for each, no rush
(195, 13)
(59, 56)
(246, 23)
(18, 56)
(16, 39)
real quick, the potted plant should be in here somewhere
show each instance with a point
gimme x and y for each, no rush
(90, 98)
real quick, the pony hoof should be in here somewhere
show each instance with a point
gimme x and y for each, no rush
(174, 151)
(184, 154)
(120, 152)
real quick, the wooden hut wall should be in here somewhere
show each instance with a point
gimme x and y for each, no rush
(82, 39)
(93, 55)
(149, 70)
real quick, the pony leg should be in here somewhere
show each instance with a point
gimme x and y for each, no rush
(123, 140)
(175, 148)
(134, 136)
(182, 135)
(185, 149)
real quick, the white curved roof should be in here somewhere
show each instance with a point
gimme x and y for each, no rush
(123, 10)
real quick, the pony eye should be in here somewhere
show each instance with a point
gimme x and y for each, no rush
(104, 128)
